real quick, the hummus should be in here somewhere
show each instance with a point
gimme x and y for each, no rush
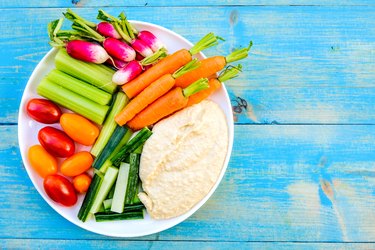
(182, 160)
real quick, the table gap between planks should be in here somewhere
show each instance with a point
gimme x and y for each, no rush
(302, 168)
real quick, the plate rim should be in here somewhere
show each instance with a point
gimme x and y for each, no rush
(34, 77)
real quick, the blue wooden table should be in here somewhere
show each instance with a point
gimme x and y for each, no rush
(302, 172)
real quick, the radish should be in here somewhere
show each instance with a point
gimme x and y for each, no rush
(119, 49)
(86, 51)
(126, 31)
(150, 39)
(135, 68)
(128, 73)
(114, 47)
(75, 46)
(106, 29)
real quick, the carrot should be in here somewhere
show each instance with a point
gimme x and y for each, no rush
(169, 103)
(212, 65)
(214, 84)
(151, 93)
(167, 65)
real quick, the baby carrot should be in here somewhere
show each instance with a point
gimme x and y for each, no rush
(151, 93)
(212, 65)
(169, 103)
(214, 84)
(167, 65)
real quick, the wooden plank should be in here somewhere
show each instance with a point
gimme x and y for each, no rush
(284, 183)
(175, 245)
(183, 3)
(293, 75)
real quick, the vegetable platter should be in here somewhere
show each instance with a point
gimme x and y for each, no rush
(29, 133)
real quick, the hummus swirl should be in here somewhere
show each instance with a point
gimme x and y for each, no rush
(182, 160)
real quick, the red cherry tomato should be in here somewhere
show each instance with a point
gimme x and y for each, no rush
(56, 142)
(43, 110)
(60, 189)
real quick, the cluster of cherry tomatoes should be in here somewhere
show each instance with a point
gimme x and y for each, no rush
(56, 143)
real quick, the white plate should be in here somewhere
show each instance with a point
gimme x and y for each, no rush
(28, 130)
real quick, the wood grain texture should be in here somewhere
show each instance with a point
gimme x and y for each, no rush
(284, 183)
(293, 75)
(175, 245)
(182, 3)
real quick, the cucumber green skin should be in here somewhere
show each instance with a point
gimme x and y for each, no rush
(115, 139)
(131, 146)
(133, 178)
(89, 199)
(130, 212)
(134, 215)
(111, 192)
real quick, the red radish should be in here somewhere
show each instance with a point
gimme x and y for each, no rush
(86, 51)
(119, 49)
(134, 68)
(128, 73)
(150, 40)
(112, 46)
(139, 46)
(126, 31)
(106, 29)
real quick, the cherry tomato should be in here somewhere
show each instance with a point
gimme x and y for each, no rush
(43, 110)
(79, 128)
(42, 162)
(56, 142)
(82, 182)
(76, 164)
(60, 189)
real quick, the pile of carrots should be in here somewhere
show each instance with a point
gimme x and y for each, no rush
(156, 94)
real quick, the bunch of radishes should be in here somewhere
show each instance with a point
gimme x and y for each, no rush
(114, 41)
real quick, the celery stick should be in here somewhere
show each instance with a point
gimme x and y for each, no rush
(96, 74)
(70, 100)
(109, 125)
(80, 87)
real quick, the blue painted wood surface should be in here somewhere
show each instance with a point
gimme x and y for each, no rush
(306, 181)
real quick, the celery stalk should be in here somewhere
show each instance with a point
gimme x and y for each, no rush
(109, 125)
(95, 74)
(70, 100)
(80, 87)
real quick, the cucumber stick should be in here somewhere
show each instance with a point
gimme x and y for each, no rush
(120, 189)
(115, 139)
(107, 204)
(88, 201)
(131, 146)
(123, 141)
(98, 75)
(73, 101)
(111, 192)
(107, 183)
(80, 87)
(109, 125)
(131, 215)
(133, 178)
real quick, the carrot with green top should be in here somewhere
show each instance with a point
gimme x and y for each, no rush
(168, 65)
(214, 84)
(152, 92)
(169, 103)
(212, 65)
